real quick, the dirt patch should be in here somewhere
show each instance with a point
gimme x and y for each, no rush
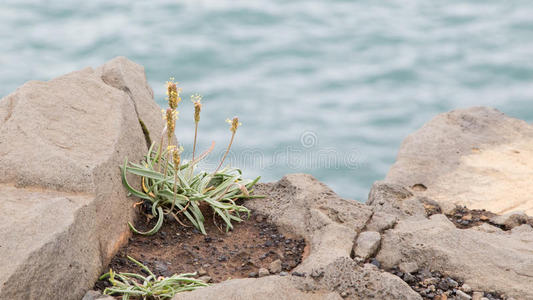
(253, 244)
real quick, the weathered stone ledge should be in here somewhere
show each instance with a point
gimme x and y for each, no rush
(65, 210)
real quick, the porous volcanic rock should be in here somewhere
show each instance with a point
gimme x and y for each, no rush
(498, 261)
(64, 211)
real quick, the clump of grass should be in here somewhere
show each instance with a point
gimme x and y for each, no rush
(175, 187)
(149, 287)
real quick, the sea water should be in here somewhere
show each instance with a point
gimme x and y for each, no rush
(326, 87)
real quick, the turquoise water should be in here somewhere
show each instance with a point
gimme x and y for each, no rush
(329, 88)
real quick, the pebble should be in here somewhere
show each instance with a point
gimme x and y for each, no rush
(375, 262)
(477, 295)
(252, 274)
(202, 272)
(263, 272)
(259, 218)
(283, 273)
(430, 281)
(205, 279)
(466, 288)
(275, 266)
(409, 278)
(367, 244)
(462, 295)
(408, 267)
(467, 217)
(443, 285)
(452, 283)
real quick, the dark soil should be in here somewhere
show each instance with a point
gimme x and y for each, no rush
(464, 218)
(176, 249)
(434, 285)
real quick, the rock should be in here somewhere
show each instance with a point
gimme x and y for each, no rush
(202, 272)
(510, 220)
(64, 210)
(301, 205)
(263, 272)
(344, 275)
(367, 244)
(462, 295)
(466, 288)
(381, 221)
(130, 78)
(408, 267)
(474, 157)
(477, 295)
(205, 278)
(161, 268)
(271, 287)
(275, 266)
(394, 199)
(375, 262)
(472, 255)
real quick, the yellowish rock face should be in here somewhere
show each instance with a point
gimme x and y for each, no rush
(498, 179)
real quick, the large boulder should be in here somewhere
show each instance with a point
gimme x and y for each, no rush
(486, 258)
(476, 157)
(64, 211)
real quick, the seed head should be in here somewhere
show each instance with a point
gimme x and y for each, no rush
(171, 116)
(176, 157)
(173, 93)
(196, 98)
(234, 124)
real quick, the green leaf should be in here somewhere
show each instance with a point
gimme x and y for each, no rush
(156, 227)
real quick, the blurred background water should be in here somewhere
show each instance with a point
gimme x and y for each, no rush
(329, 88)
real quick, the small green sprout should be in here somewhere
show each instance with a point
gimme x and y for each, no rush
(149, 287)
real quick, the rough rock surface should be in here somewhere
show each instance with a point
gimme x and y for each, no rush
(271, 287)
(501, 261)
(381, 221)
(367, 244)
(300, 205)
(394, 199)
(64, 209)
(475, 157)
